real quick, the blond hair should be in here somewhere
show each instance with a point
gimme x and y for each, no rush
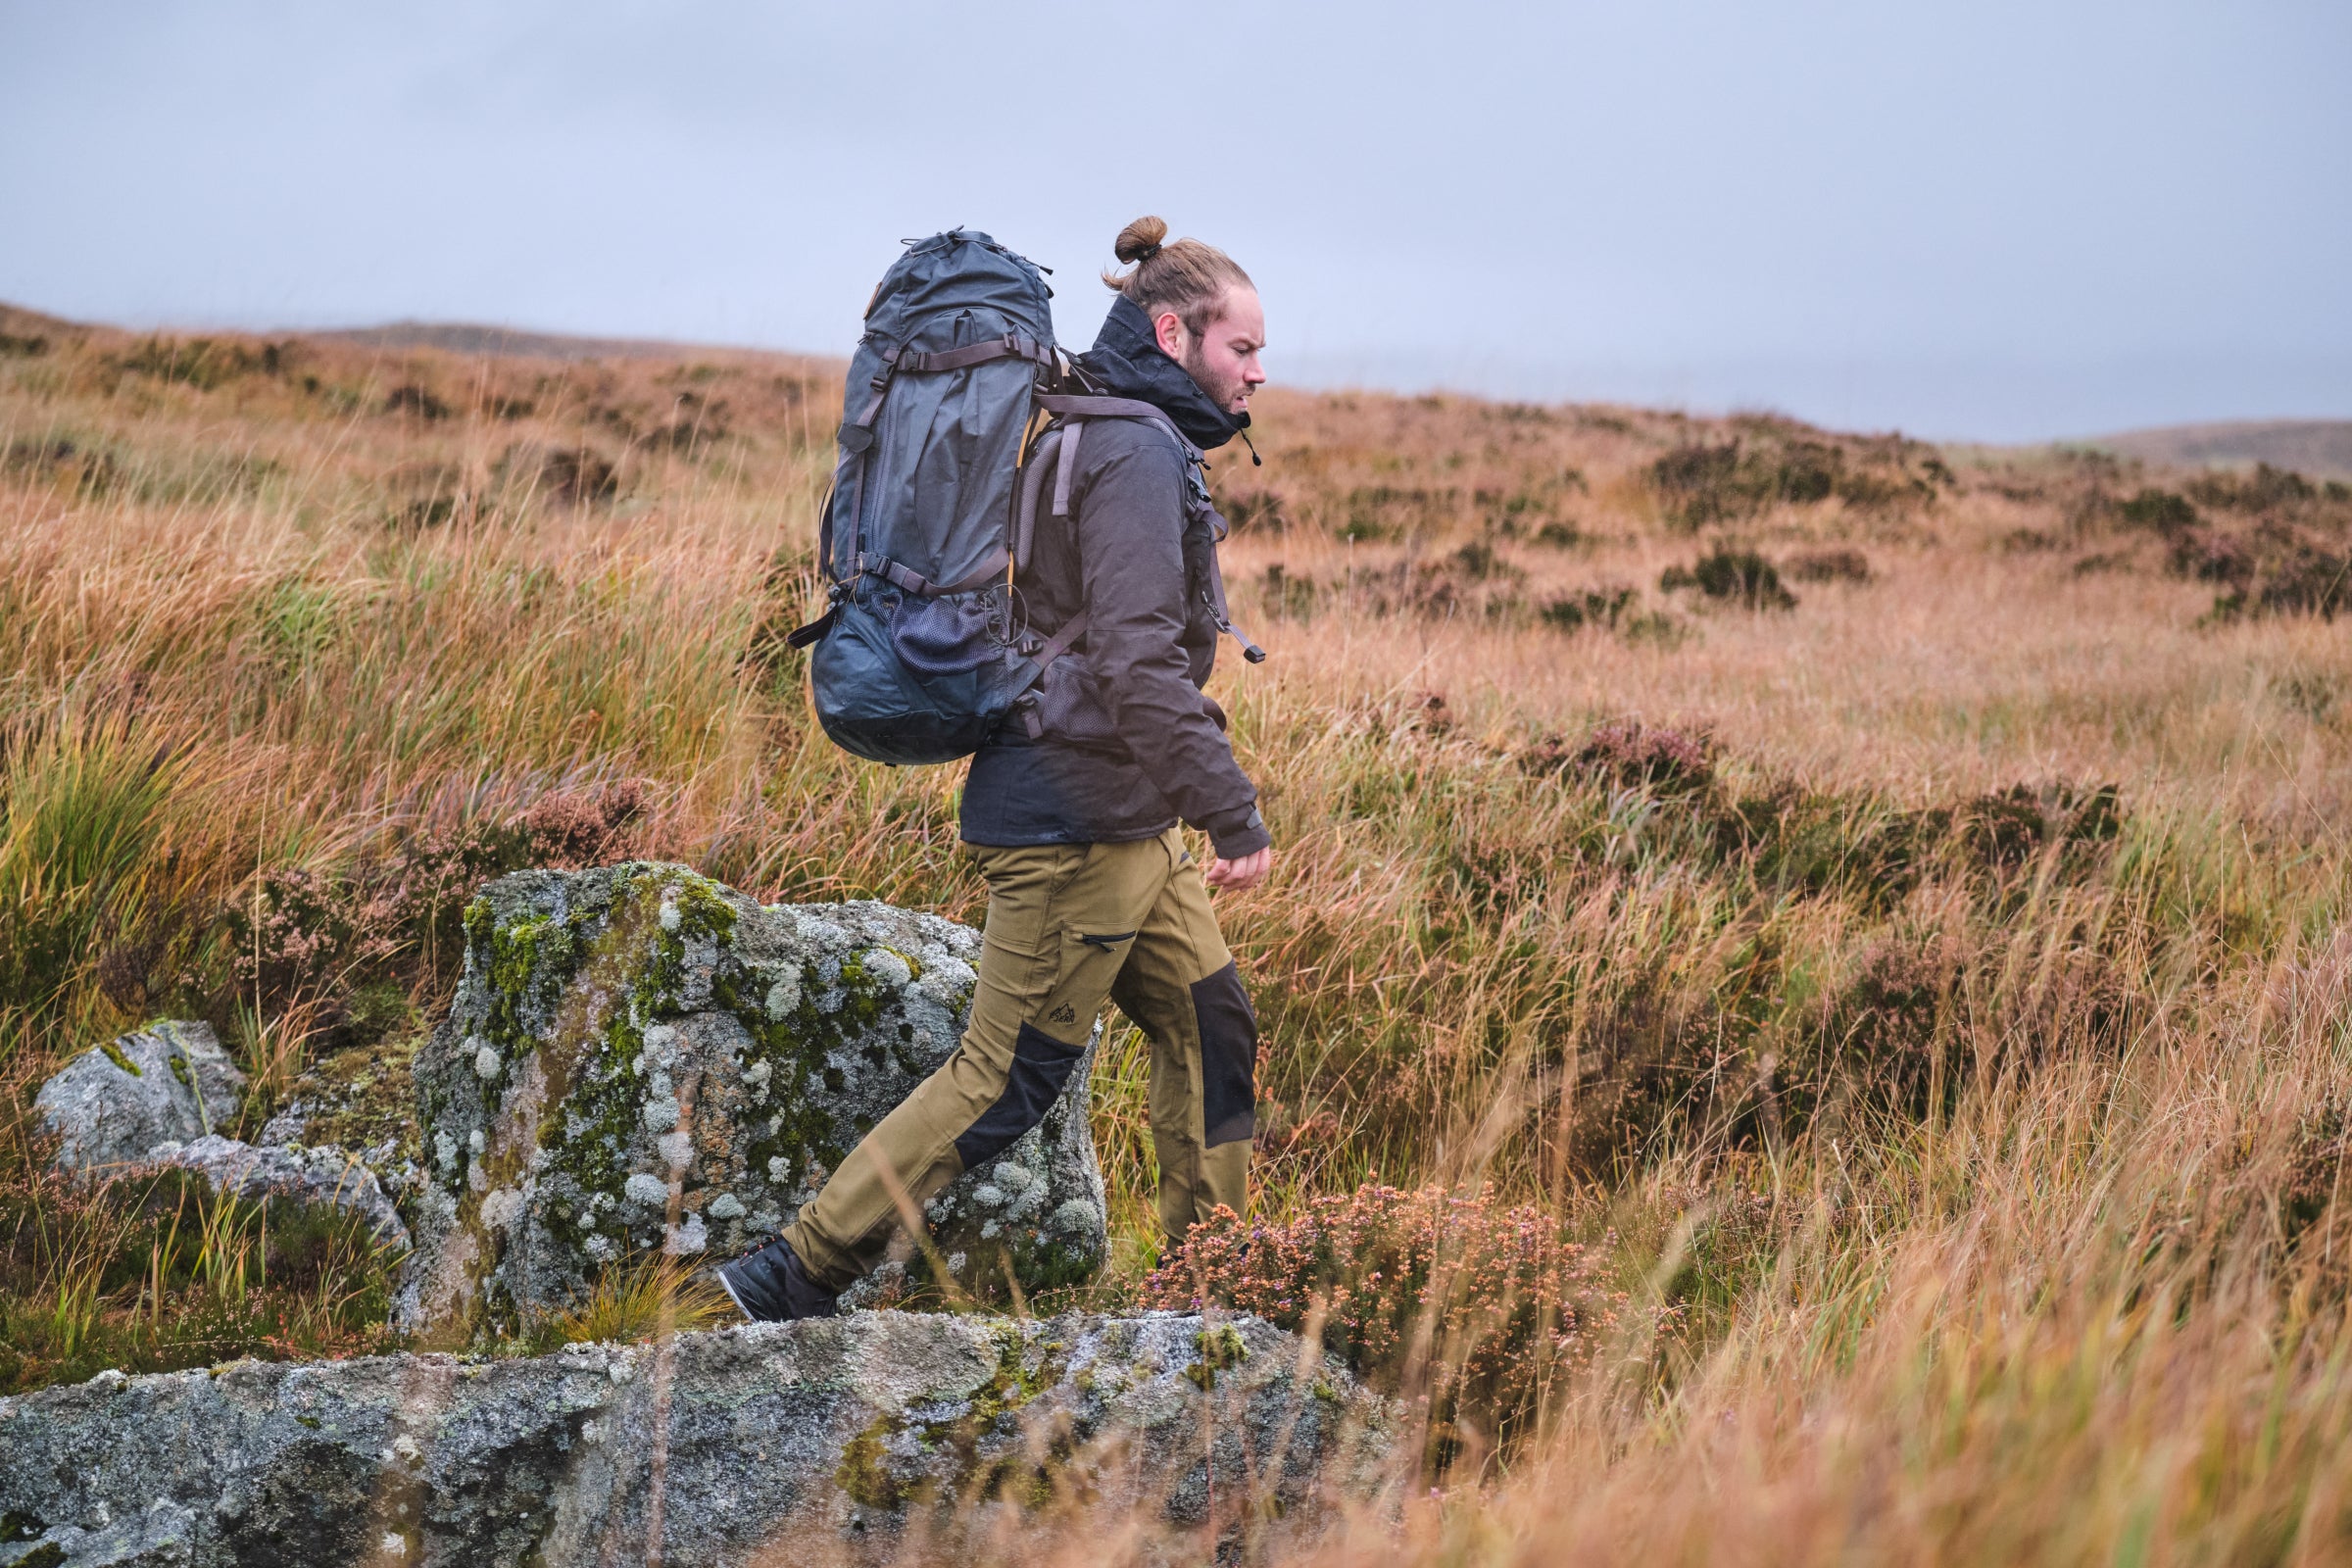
(1188, 277)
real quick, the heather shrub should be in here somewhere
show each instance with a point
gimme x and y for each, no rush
(1589, 606)
(321, 938)
(1287, 594)
(2159, 511)
(1480, 1309)
(1828, 565)
(1703, 483)
(1699, 484)
(2265, 489)
(1740, 575)
(1631, 755)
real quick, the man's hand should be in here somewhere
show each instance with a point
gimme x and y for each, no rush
(1242, 874)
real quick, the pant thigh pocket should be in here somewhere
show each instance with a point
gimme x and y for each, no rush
(1024, 886)
(1228, 1058)
(1041, 1067)
(1068, 997)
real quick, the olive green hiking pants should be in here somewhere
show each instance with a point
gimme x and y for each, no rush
(1069, 925)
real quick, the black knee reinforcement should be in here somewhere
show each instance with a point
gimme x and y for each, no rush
(1041, 1066)
(1228, 1058)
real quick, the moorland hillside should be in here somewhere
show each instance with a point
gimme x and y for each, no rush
(1855, 930)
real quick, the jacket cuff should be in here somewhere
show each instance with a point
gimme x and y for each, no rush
(1237, 833)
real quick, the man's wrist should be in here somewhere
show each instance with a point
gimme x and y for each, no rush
(1237, 835)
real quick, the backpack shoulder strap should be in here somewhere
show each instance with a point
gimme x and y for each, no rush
(1066, 407)
(1071, 414)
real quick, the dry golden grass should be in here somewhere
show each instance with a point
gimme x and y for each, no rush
(1977, 1152)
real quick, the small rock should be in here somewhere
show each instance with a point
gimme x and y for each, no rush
(169, 1082)
(289, 1170)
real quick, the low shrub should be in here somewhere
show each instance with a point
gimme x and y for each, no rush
(2265, 489)
(1630, 754)
(203, 362)
(325, 939)
(572, 475)
(1700, 484)
(1472, 580)
(1287, 594)
(1370, 513)
(1481, 1308)
(1586, 606)
(1738, 575)
(1828, 565)
(2158, 512)
(422, 402)
(1260, 511)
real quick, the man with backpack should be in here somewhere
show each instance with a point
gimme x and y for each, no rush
(1077, 788)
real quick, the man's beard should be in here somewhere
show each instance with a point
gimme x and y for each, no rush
(1195, 366)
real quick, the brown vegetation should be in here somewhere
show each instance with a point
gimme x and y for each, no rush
(1915, 1008)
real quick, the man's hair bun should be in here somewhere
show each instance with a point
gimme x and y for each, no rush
(1188, 277)
(1140, 240)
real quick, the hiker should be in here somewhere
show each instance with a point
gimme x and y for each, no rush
(1071, 809)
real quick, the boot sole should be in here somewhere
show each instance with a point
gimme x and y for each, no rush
(728, 1285)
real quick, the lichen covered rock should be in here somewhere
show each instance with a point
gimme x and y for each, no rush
(326, 1176)
(362, 1103)
(168, 1082)
(770, 1443)
(639, 1058)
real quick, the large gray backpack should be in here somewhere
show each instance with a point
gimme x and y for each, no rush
(958, 406)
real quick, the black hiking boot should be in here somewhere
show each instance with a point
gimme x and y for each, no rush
(770, 1286)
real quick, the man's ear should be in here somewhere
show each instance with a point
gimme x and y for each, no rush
(1168, 328)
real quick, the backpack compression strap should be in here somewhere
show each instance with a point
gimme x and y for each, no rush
(859, 433)
(905, 578)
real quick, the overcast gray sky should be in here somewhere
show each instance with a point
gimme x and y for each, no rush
(1987, 218)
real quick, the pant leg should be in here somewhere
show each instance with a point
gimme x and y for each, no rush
(1041, 982)
(1183, 989)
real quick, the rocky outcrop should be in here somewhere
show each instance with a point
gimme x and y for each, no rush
(288, 1170)
(770, 1443)
(168, 1082)
(641, 1059)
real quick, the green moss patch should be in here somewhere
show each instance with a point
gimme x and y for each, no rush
(867, 1476)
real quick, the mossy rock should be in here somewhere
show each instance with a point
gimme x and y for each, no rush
(168, 1082)
(639, 1058)
(362, 1101)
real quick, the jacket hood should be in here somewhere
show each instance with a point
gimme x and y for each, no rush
(1127, 358)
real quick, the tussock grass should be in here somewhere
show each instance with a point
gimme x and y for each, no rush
(1922, 1007)
(649, 1298)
